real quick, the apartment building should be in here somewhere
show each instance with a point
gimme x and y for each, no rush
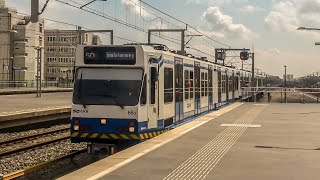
(18, 39)
(60, 52)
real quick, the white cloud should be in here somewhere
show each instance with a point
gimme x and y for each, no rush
(270, 52)
(288, 15)
(194, 1)
(251, 9)
(282, 17)
(135, 7)
(220, 2)
(158, 25)
(223, 24)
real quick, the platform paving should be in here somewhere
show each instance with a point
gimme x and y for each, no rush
(284, 144)
(25, 102)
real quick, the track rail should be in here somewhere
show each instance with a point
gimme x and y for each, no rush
(5, 153)
(33, 136)
(41, 165)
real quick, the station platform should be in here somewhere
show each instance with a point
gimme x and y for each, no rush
(241, 141)
(22, 109)
(12, 91)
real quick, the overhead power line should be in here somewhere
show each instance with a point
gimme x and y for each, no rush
(77, 25)
(187, 25)
(44, 7)
(97, 13)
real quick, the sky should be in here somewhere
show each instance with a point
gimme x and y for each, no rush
(267, 26)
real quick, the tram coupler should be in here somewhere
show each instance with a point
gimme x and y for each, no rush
(96, 148)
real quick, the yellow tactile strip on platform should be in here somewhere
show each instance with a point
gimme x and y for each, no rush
(199, 165)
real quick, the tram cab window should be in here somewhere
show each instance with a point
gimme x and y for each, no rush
(154, 75)
(143, 99)
(106, 86)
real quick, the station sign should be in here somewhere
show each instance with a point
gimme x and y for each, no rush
(110, 55)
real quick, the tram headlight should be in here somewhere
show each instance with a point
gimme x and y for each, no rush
(76, 127)
(103, 121)
(131, 129)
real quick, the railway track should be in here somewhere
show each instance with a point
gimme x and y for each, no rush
(21, 145)
(16, 141)
(39, 166)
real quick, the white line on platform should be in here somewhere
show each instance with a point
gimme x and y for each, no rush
(241, 125)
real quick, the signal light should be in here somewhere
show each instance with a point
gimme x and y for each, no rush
(244, 55)
(221, 56)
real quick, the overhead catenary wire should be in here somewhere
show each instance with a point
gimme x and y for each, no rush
(44, 7)
(98, 13)
(187, 25)
(77, 25)
(95, 12)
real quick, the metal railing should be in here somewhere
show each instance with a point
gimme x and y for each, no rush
(284, 95)
(32, 84)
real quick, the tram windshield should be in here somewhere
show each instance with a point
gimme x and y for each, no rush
(105, 86)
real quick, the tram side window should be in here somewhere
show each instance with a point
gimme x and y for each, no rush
(191, 85)
(206, 84)
(237, 82)
(187, 84)
(153, 74)
(202, 84)
(143, 99)
(230, 83)
(210, 83)
(168, 85)
(223, 84)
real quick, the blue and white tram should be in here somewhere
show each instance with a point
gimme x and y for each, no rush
(135, 92)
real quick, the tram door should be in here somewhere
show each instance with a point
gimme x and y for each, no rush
(227, 86)
(233, 81)
(197, 88)
(153, 110)
(219, 86)
(210, 81)
(178, 69)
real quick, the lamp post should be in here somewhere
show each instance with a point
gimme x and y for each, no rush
(285, 84)
(308, 29)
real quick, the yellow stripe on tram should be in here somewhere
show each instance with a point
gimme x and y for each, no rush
(141, 136)
(124, 136)
(94, 135)
(146, 135)
(150, 135)
(104, 137)
(134, 136)
(84, 135)
(114, 136)
(75, 134)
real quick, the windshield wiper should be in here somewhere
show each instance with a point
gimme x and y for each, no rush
(111, 96)
(80, 92)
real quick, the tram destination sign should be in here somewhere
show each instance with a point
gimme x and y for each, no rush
(110, 55)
